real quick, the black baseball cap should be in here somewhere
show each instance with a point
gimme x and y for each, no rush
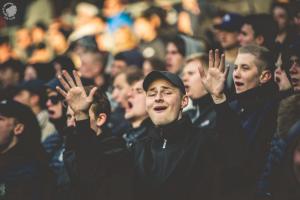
(231, 22)
(170, 77)
(14, 109)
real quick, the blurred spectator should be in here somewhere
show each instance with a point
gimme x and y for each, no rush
(63, 63)
(281, 15)
(43, 71)
(33, 94)
(119, 64)
(254, 31)
(40, 54)
(229, 31)
(85, 13)
(175, 55)
(23, 47)
(189, 18)
(5, 49)
(113, 10)
(11, 73)
(151, 44)
(23, 170)
(136, 113)
(203, 114)
(152, 64)
(57, 40)
(38, 33)
(92, 67)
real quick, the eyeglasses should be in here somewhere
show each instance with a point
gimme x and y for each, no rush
(54, 99)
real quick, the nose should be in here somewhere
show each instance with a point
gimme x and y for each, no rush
(158, 97)
(236, 73)
(293, 69)
(240, 38)
(129, 93)
(48, 103)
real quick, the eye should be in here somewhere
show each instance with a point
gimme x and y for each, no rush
(151, 94)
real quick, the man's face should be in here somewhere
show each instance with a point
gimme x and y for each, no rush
(281, 17)
(164, 102)
(136, 109)
(192, 80)
(6, 132)
(246, 35)
(8, 77)
(23, 97)
(90, 68)
(174, 59)
(54, 105)
(229, 40)
(117, 66)
(295, 72)
(121, 89)
(245, 74)
(142, 28)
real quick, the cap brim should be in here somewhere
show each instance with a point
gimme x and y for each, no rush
(152, 76)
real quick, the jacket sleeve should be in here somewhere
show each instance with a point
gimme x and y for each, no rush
(99, 166)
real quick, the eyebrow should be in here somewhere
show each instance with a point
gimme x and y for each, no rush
(163, 87)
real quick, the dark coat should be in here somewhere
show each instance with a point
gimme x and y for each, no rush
(99, 166)
(253, 114)
(25, 175)
(204, 115)
(180, 161)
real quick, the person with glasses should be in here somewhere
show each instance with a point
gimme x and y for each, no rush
(57, 114)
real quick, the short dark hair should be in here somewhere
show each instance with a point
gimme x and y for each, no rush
(179, 43)
(156, 64)
(264, 58)
(133, 75)
(259, 22)
(100, 102)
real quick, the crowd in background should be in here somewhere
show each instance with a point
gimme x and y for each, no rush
(108, 48)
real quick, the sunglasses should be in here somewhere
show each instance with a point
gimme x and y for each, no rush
(54, 99)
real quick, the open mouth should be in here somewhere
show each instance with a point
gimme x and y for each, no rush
(277, 79)
(294, 81)
(51, 112)
(238, 84)
(129, 106)
(160, 108)
(187, 88)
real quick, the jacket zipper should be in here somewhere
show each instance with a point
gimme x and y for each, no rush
(165, 140)
(164, 144)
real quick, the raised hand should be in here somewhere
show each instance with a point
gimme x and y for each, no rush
(74, 92)
(282, 80)
(214, 78)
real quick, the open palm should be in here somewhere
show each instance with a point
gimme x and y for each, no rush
(74, 92)
(215, 77)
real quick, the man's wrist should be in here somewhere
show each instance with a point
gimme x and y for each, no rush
(81, 115)
(218, 99)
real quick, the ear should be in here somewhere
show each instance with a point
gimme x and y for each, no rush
(265, 76)
(259, 40)
(34, 100)
(19, 128)
(184, 101)
(102, 117)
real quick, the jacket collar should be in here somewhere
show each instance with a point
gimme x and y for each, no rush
(203, 102)
(258, 95)
(174, 131)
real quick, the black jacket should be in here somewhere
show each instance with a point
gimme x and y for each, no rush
(180, 161)
(99, 166)
(253, 114)
(204, 115)
(133, 135)
(25, 175)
